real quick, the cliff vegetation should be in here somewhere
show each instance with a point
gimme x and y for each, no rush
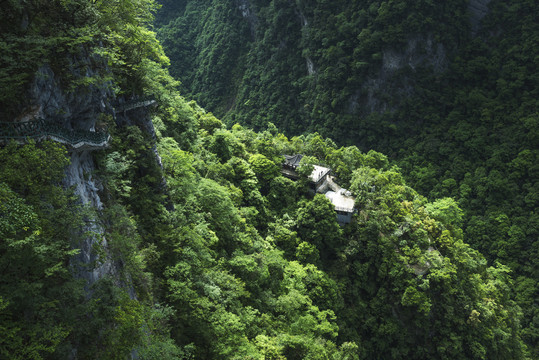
(211, 252)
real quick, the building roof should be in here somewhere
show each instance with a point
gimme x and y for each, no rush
(341, 200)
(292, 160)
(318, 173)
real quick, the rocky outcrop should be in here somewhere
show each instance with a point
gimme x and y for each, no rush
(311, 70)
(478, 9)
(420, 51)
(310, 66)
(80, 176)
(245, 8)
(77, 110)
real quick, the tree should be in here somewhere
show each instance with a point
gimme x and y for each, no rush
(213, 200)
(446, 211)
(39, 294)
(265, 170)
(316, 223)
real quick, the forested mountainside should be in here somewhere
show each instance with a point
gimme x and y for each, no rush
(448, 90)
(135, 225)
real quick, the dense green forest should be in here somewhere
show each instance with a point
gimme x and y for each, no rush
(213, 253)
(448, 96)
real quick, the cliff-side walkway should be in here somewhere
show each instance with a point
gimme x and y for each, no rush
(42, 129)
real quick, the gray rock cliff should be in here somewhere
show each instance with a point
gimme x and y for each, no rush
(478, 10)
(77, 110)
(248, 14)
(420, 51)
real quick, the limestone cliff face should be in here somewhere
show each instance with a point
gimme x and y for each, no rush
(248, 14)
(478, 10)
(50, 96)
(77, 110)
(420, 52)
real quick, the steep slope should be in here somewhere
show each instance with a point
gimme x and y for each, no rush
(181, 239)
(67, 287)
(307, 60)
(446, 89)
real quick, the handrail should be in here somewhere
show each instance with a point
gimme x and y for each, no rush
(343, 209)
(41, 129)
(142, 101)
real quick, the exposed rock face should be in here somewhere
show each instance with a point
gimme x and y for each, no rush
(79, 174)
(420, 51)
(304, 24)
(478, 9)
(77, 110)
(249, 15)
(310, 66)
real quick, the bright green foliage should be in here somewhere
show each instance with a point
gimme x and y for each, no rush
(398, 281)
(453, 104)
(445, 210)
(414, 265)
(317, 225)
(217, 255)
(38, 294)
(265, 170)
(242, 277)
(306, 166)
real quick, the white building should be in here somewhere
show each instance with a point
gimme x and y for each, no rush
(322, 182)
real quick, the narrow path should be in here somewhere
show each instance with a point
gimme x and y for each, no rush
(333, 185)
(134, 104)
(42, 129)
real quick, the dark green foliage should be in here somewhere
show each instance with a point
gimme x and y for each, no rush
(46, 311)
(454, 107)
(60, 33)
(217, 255)
(39, 297)
(316, 224)
(189, 35)
(302, 62)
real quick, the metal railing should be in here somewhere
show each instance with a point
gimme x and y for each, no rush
(344, 209)
(42, 129)
(142, 101)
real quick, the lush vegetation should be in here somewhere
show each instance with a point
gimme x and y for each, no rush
(454, 107)
(216, 254)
